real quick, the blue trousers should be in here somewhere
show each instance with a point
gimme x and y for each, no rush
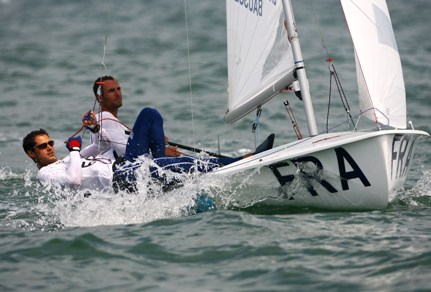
(147, 135)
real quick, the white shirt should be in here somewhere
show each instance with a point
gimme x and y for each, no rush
(111, 137)
(76, 172)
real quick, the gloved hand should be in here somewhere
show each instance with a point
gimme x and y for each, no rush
(74, 143)
(89, 121)
(87, 117)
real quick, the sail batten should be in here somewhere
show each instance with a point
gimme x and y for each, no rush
(381, 90)
(260, 60)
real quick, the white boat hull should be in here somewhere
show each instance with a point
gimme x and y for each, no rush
(339, 171)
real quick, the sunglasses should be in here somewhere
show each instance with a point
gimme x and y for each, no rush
(44, 145)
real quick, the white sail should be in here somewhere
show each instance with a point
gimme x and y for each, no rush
(380, 79)
(260, 60)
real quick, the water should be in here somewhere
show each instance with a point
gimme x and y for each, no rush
(51, 52)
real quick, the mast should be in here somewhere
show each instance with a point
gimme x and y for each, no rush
(300, 70)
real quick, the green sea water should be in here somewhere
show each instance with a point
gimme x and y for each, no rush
(172, 55)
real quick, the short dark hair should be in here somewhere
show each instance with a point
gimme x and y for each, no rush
(100, 79)
(28, 142)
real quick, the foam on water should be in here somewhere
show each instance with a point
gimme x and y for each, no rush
(37, 208)
(70, 208)
(423, 185)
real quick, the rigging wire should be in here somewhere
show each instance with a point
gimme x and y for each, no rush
(104, 69)
(332, 74)
(342, 94)
(322, 38)
(106, 20)
(105, 45)
(189, 72)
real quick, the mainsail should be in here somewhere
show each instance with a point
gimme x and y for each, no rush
(260, 59)
(380, 78)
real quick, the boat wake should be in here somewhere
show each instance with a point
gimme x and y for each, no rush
(29, 206)
(418, 196)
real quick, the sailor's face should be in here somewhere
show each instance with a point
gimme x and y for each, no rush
(43, 152)
(112, 98)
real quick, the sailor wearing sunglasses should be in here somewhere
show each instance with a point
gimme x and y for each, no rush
(73, 171)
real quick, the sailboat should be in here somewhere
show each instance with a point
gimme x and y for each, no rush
(353, 169)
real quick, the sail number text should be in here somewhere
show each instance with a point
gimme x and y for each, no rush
(254, 6)
(311, 168)
(402, 152)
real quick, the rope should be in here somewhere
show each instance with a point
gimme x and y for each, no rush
(117, 121)
(99, 122)
(100, 159)
(76, 133)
